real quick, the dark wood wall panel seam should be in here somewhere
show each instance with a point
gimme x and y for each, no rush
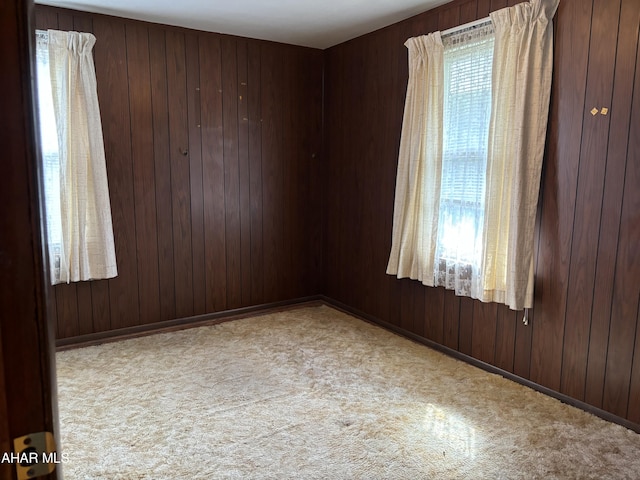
(132, 153)
(162, 176)
(254, 147)
(196, 189)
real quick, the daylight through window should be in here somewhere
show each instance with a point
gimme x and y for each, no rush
(471, 153)
(50, 158)
(467, 109)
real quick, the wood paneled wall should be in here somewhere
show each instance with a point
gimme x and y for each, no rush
(220, 201)
(213, 147)
(583, 339)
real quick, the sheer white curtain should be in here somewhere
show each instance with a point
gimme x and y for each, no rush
(468, 59)
(81, 246)
(470, 156)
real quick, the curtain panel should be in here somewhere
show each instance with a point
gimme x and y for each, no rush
(417, 199)
(522, 70)
(88, 250)
(520, 91)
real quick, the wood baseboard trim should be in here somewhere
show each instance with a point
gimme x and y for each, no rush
(610, 417)
(184, 323)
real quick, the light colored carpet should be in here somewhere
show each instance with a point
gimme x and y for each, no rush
(314, 393)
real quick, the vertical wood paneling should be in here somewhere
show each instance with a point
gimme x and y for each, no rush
(405, 317)
(334, 101)
(298, 128)
(311, 111)
(418, 314)
(67, 311)
(242, 203)
(231, 172)
(498, 4)
(272, 152)
(434, 314)
(633, 412)
(337, 138)
(632, 203)
(522, 353)
(360, 124)
(244, 171)
(162, 168)
(586, 220)
(451, 320)
(195, 172)
(46, 18)
(254, 102)
(483, 336)
(586, 269)
(382, 187)
(449, 17)
(202, 198)
(289, 166)
(368, 123)
(85, 308)
(101, 306)
(612, 201)
(143, 171)
(213, 173)
(626, 287)
(559, 184)
(83, 24)
(180, 172)
(465, 326)
(110, 56)
(505, 338)
(383, 141)
(469, 11)
(484, 8)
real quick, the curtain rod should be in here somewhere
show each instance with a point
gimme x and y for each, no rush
(475, 23)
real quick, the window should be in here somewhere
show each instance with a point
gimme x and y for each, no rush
(471, 155)
(50, 158)
(468, 59)
(76, 196)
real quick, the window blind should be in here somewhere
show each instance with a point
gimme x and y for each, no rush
(468, 58)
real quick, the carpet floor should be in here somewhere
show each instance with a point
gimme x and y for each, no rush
(313, 393)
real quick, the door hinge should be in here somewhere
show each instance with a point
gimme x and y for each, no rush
(36, 455)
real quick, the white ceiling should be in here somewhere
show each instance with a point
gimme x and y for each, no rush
(311, 23)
